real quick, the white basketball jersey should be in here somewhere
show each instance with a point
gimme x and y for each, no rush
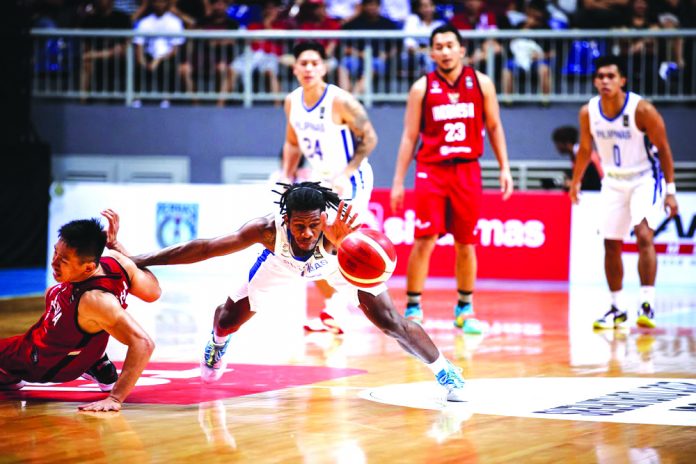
(623, 148)
(326, 145)
(281, 262)
(273, 270)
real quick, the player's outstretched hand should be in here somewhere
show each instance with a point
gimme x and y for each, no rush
(114, 224)
(671, 206)
(342, 225)
(107, 404)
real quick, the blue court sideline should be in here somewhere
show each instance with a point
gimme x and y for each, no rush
(22, 282)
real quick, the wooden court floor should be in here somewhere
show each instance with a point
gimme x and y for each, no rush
(544, 388)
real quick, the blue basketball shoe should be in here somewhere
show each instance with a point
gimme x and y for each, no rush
(213, 363)
(465, 320)
(414, 313)
(452, 380)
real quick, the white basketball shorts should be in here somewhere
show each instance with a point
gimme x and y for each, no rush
(628, 202)
(269, 279)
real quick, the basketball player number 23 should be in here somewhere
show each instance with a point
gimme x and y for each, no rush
(456, 132)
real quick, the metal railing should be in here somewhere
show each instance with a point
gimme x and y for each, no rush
(551, 175)
(249, 67)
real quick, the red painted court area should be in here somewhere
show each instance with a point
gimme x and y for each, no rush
(179, 383)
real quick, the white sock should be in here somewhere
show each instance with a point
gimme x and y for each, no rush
(439, 364)
(219, 339)
(647, 295)
(617, 299)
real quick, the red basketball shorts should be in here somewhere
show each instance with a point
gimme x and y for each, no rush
(19, 358)
(15, 357)
(448, 199)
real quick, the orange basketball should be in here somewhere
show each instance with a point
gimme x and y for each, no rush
(366, 258)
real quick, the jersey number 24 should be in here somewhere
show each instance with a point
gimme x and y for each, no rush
(312, 148)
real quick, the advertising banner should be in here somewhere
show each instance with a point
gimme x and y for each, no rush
(525, 238)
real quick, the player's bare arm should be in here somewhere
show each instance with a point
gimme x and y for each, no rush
(353, 114)
(494, 127)
(409, 137)
(260, 230)
(101, 311)
(649, 120)
(144, 284)
(291, 148)
(582, 158)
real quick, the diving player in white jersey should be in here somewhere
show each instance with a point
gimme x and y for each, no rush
(331, 129)
(300, 244)
(623, 126)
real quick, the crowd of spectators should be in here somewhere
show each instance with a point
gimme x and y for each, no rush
(173, 62)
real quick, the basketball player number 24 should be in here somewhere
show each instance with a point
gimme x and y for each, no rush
(456, 132)
(312, 148)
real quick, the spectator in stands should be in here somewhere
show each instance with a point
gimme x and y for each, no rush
(104, 54)
(396, 10)
(192, 12)
(265, 54)
(189, 11)
(343, 10)
(667, 13)
(157, 56)
(530, 56)
(602, 14)
(312, 16)
(640, 53)
(473, 15)
(415, 57)
(353, 63)
(565, 138)
(211, 57)
(127, 6)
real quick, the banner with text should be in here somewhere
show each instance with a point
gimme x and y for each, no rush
(526, 237)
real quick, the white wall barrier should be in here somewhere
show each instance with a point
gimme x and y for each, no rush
(157, 215)
(674, 241)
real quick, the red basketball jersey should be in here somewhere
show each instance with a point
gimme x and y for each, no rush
(451, 118)
(60, 350)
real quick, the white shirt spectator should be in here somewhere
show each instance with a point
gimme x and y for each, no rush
(157, 47)
(396, 10)
(415, 25)
(341, 9)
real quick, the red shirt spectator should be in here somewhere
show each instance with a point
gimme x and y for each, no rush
(471, 15)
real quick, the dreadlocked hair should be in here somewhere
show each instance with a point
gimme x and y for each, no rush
(306, 196)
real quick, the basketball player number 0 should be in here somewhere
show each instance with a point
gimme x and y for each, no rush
(617, 155)
(456, 132)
